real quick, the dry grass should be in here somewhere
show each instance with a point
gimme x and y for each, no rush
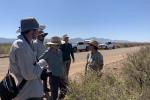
(132, 84)
(4, 48)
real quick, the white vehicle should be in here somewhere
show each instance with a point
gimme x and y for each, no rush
(102, 46)
(80, 46)
(108, 45)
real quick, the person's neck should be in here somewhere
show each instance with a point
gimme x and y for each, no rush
(40, 40)
(53, 49)
(29, 38)
(93, 51)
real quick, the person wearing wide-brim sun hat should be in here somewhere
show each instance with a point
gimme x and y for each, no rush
(53, 57)
(23, 62)
(94, 58)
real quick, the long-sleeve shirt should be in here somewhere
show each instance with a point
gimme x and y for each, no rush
(67, 51)
(39, 47)
(95, 61)
(54, 61)
(22, 64)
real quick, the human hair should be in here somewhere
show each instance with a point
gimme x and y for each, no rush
(25, 32)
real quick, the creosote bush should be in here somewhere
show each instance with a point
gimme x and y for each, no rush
(137, 74)
(133, 84)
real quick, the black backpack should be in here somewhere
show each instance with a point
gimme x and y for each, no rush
(8, 87)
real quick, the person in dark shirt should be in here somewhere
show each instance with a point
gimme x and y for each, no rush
(67, 52)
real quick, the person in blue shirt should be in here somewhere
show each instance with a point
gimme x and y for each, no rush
(53, 57)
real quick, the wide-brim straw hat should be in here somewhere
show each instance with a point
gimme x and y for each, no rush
(54, 41)
(93, 42)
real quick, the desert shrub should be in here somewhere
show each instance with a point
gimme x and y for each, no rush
(137, 74)
(92, 87)
(133, 84)
(130, 44)
(4, 48)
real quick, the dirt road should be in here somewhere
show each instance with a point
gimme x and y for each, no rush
(110, 57)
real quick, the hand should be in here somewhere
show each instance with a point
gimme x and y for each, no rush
(91, 64)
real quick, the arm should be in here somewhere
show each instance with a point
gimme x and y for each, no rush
(28, 69)
(43, 59)
(44, 55)
(86, 64)
(72, 53)
(99, 63)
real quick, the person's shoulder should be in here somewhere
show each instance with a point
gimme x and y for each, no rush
(99, 53)
(62, 45)
(18, 43)
(70, 44)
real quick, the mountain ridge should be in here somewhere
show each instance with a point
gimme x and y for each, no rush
(72, 40)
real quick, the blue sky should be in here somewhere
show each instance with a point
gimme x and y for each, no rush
(113, 19)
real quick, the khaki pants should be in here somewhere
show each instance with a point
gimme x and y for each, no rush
(67, 68)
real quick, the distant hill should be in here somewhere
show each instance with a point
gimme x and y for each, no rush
(5, 40)
(100, 40)
(72, 40)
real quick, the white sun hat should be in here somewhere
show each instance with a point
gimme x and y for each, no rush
(54, 41)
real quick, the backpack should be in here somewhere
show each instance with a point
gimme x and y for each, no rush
(8, 87)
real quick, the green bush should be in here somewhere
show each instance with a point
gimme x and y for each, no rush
(133, 84)
(4, 48)
(137, 72)
(92, 87)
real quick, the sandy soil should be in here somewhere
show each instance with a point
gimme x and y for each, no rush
(111, 61)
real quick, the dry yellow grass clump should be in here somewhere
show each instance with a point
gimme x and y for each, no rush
(132, 84)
